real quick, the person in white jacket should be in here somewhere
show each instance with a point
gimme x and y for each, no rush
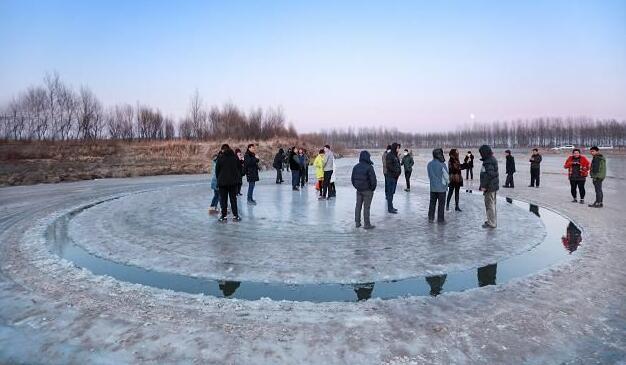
(332, 192)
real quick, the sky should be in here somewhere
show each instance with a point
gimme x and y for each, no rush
(412, 65)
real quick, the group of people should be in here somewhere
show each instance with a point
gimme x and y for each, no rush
(229, 168)
(445, 180)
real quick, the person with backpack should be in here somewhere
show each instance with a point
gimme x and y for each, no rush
(598, 174)
(364, 181)
(251, 168)
(407, 162)
(228, 175)
(439, 180)
(510, 169)
(577, 166)
(489, 184)
(278, 165)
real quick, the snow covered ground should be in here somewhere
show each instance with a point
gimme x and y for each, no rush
(52, 312)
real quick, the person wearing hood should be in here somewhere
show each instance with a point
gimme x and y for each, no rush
(455, 169)
(294, 166)
(318, 163)
(489, 184)
(577, 166)
(364, 181)
(228, 174)
(598, 174)
(407, 162)
(278, 165)
(251, 167)
(439, 180)
(329, 162)
(394, 169)
(535, 171)
(510, 169)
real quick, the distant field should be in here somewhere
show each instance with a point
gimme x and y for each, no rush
(24, 163)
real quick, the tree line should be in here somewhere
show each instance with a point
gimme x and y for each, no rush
(539, 132)
(55, 111)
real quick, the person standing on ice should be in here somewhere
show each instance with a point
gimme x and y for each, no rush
(251, 168)
(364, 181)
(510, 169)
(278, 165)
(469, 160)
(294, 166)
(241, 170)
(393, 173)
(455, 171)
(318, 163)
(228, 175)
(216, 194)
(535, 172)
(407, 162)
(387, 150)
(598, 174)
(329, 163)
(577, 166)
(439, 180)
(489, 184)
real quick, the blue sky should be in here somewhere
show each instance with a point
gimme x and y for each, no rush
(414, 65)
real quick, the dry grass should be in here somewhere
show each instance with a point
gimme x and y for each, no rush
(23, 163)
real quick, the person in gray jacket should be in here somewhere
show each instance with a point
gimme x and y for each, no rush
(489, 184)
(329, 162)
(439, 179)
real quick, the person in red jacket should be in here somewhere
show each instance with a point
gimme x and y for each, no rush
(577, 166)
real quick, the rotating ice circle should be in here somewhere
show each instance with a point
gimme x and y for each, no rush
(293, 247)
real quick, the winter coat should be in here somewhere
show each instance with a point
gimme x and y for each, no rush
(302, 161)
(535, 161)
(489, 179)
(407, 162)
(385, 162)
(363, 174)
(318, 163)
(510, 164)
(334, 175)
(393, 162)
(227, 170)
(469, 160)
(278, 159)
(577, 168)
(438, 172)
(214, 175)
(454, 170)
(329, 160)
(251, 166)
(294, 161)
(598, 167)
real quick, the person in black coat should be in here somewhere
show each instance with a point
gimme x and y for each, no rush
(510, 169)
(241, 170)
(535, 168)
(364, 181)
(394, 170)
(278, 165)
(251, 168)
(455, 168)
(294, 166)
(489, 184)
(469, 162)
(228, 174)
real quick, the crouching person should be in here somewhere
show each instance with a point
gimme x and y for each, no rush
(489, 184)
(364, 181)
